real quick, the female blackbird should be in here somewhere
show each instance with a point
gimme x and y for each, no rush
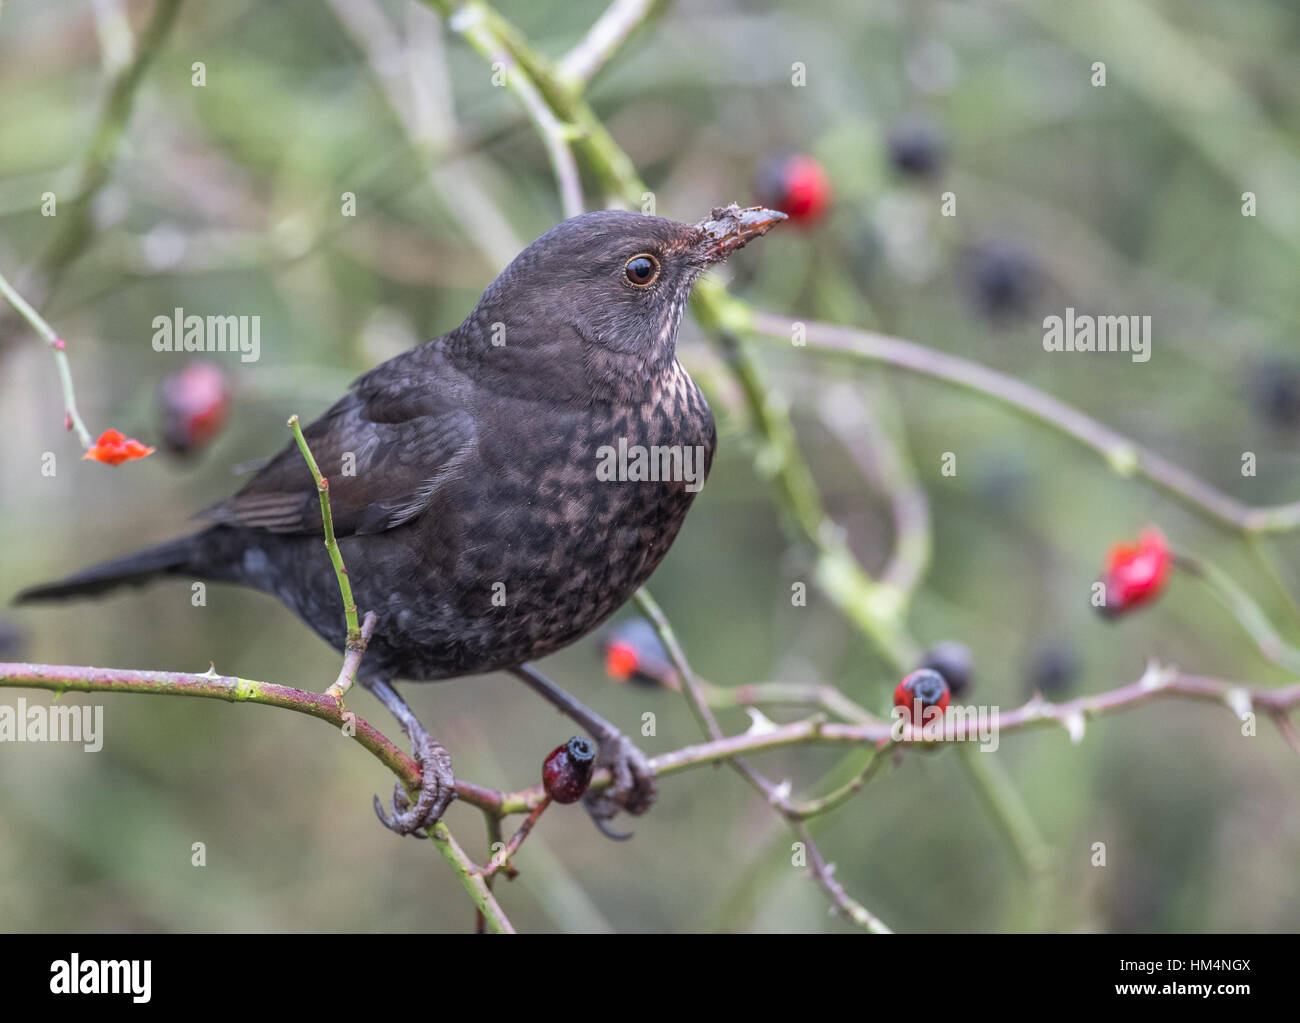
(497, 492)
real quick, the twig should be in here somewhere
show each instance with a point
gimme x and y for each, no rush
(804, 809)
(428, 119)
(114, 30)
(798, 694)
(1263, 550)
(555, 136)
(1123, 455)
(775, 795)
(352, 659)
(1156, 683)
(877, 609)
(610, 31)
(60, 349)
(1007, 807)
(471, 879)
(1288, 730)
(592, 141)
(690, 685)
(1242, 607)
(858, 429)
(60, 678)
(493, 822)
(355, 639)
(501, 860)
(824, 873)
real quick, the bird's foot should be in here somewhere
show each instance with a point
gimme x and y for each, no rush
(633, 790)
(437, 790)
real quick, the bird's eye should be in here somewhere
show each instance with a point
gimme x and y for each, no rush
(641, 270)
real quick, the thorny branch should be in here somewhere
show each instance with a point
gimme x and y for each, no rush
(1157, 683)
(552, 97)
(1123, 455)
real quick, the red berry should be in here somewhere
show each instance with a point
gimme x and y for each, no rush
(796, 185)
(924, 686)
(567, 771)
(1136, 574)
(192, 406)
(634, 653)
(620, 660)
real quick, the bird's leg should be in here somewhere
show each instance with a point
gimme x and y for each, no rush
(634, 778)
(438, 787)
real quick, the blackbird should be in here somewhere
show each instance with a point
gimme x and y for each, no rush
(499, 491)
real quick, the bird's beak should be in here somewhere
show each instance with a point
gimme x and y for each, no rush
(731, 227)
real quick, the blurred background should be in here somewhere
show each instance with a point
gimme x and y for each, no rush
(226, 197)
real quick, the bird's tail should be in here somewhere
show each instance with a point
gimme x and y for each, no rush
(166, 559)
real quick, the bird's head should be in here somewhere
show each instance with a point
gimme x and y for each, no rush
(610, 287)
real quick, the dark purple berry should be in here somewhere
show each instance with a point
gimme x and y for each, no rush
(567, 771)
(12, 640)
(1275, 387)
(917, 147)
(952, 660)
(1003, 277)
(1053, 668)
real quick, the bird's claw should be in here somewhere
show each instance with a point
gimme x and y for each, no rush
(633, 788)
(437, 790)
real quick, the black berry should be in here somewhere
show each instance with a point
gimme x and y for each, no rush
(952, 660)
(1275, 388)
(917, 147)
(1003, 277)
(1053, 668)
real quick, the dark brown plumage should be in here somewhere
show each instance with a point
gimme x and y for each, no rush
(464, 479)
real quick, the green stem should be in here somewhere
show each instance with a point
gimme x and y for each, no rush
(796, 694)
(592, 142)
(870, 759)
(1266, 555)
(1008, 808)
(471, 879)
(1242, 607)
(355, 640)
(59, 347)
(691, 687)
(876, 608)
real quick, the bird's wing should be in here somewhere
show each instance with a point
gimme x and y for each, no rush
(386, 447)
